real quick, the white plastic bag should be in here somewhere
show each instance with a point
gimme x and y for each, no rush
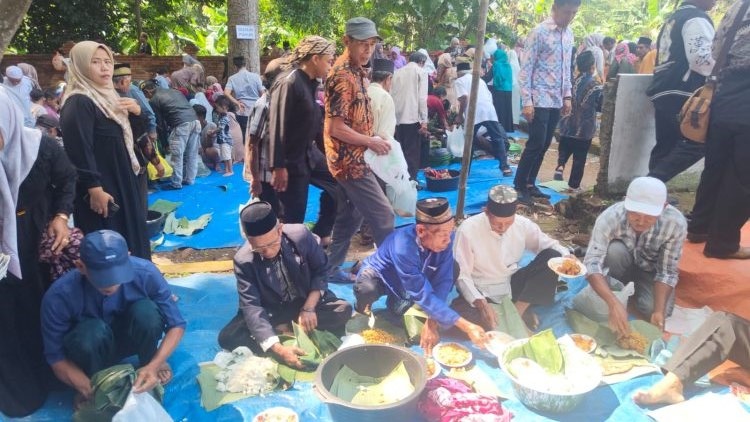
(588, 302)
(456, 141)
(141, 407)
(393, 170)
(392, 167)
(490, 47)
(403, 197)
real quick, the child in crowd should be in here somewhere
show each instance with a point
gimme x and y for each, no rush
(213, 89)
(37, 103)
(52, 102)
(224, 141)
(208, 151)
(578, 128)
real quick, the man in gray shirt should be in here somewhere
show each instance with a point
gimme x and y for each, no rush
(174, 112)
(243, 89)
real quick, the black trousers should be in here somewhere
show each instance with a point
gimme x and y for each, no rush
(722, 202)
(503, 102)
(496, 137)
(294, 200)
(723, 336)
(684, 154)
(535, 283)
(332, 313)
(667, 135)
(541, 130)
(242, 120)
(579, 149)
(411, 143)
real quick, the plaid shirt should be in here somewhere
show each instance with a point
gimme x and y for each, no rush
(657, 250)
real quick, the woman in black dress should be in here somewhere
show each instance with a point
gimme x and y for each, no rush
(38, 184)
(99, 142)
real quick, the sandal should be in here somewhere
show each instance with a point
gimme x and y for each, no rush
(559, 173)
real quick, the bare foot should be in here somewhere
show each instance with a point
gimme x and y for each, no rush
(229, 173)
(531, 320)
(666, 391)
(165, 374)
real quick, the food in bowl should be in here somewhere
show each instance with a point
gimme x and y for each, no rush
(378, 336)
(277, 414)
(634, 341)
(584, 342)
(569, 267)
(433, 369)
(452, 354)
(541, 388)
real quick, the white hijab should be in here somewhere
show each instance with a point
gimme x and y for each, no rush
(16, 159)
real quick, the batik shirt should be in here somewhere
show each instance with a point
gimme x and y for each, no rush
(656, 250)
(545, 75)
(346, 97)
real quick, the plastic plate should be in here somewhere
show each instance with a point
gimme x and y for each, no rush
(555, 263)
(436, 355)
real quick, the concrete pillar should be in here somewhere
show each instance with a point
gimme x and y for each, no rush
(633, 132)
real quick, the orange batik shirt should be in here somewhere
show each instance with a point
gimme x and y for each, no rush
(346, 97)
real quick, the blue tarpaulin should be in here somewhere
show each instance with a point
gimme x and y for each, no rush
(209, 301)
(223, 196)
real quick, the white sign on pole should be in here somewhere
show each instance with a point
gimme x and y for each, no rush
(245, 32)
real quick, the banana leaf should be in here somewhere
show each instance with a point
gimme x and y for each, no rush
(372, 391)
(317, 344)
(414, 320)
(543, 349)
(508, 319)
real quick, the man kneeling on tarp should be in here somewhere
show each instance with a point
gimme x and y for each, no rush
(489, 247)
(414, 265)
(281, 277)
(112, 306)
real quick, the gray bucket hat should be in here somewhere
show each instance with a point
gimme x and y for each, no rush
(361, 29)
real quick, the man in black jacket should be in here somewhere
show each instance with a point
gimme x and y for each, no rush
(683, 61)
(281, 277)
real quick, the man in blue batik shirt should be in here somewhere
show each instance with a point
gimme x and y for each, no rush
(414, 266)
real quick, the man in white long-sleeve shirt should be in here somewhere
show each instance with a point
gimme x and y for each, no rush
(409, 92)
(488, 250)
(383, 109)
(683, 61)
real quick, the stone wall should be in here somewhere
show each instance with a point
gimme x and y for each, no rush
(143, 67)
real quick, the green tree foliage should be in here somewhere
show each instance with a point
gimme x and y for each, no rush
(49, 23)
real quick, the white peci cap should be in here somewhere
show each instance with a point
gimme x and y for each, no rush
(646, 195)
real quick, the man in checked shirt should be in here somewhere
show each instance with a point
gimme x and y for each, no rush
(640, 240)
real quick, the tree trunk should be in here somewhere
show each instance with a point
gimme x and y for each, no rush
(243, 12)
(605, 137)
(10, 20)
(138, 19)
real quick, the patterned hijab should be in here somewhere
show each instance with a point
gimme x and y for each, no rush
(622, 51)
(104, 97)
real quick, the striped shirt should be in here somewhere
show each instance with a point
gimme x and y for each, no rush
(545, 74)
(657, 250)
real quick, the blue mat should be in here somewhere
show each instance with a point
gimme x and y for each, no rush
(222, 197)
(208, 301)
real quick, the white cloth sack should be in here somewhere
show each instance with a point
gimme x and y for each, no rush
(141, 407)
(394, 171)
(588, 302)
(456, 141)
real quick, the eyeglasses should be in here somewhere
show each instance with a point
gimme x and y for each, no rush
(268, 245)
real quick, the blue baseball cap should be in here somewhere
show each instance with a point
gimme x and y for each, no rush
(105, 253)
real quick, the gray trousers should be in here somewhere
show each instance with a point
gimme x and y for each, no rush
(184, 142)
(723, 336)
(365, 201)
(623, 269)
